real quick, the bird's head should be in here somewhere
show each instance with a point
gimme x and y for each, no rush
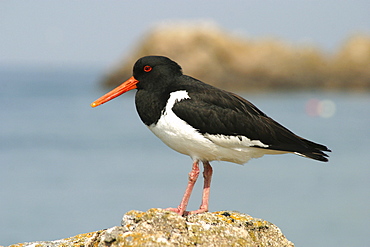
(149, 73)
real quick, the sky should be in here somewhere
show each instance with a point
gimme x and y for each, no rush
(102, 33)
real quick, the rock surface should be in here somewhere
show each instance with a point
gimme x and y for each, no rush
(233, 62)
(158, 227)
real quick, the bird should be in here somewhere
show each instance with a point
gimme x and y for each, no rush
(205, 122)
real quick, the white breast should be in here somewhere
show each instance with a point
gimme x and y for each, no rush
(183, 138)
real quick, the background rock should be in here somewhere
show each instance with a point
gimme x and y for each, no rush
(158, 227)
(230, 61)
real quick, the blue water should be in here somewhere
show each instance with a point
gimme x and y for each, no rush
(67, 168)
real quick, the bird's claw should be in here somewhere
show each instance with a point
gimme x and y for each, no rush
(182, 212)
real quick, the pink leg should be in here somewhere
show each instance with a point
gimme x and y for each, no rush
(207, 174)
(193, 176)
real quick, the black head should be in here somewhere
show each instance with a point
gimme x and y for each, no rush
(154, 70)
(152, 73)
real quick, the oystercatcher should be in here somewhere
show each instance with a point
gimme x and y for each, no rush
(205, 122)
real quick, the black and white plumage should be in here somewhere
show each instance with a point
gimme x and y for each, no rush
(205, 122)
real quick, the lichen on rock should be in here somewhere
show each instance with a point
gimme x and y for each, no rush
(223, 228)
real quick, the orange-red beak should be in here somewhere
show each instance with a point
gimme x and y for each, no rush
(123, 88)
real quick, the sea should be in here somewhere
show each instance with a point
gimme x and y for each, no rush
(67, 168)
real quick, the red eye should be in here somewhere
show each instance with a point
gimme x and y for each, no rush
(147, 68)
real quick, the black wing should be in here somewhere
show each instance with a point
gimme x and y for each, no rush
(214, 111)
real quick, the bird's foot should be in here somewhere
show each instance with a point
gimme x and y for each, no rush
(178, 210)
(199, 211)
(182, 212)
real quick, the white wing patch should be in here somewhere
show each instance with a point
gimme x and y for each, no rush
(234, 142)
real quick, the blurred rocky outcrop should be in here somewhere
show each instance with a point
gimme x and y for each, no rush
(233, 62)
(158, 227)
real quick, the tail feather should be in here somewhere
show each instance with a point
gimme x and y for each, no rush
(314, 151)
(320, 156)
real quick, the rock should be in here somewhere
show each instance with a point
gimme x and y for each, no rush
(158, 227)
(234, 62)
(351, 64)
